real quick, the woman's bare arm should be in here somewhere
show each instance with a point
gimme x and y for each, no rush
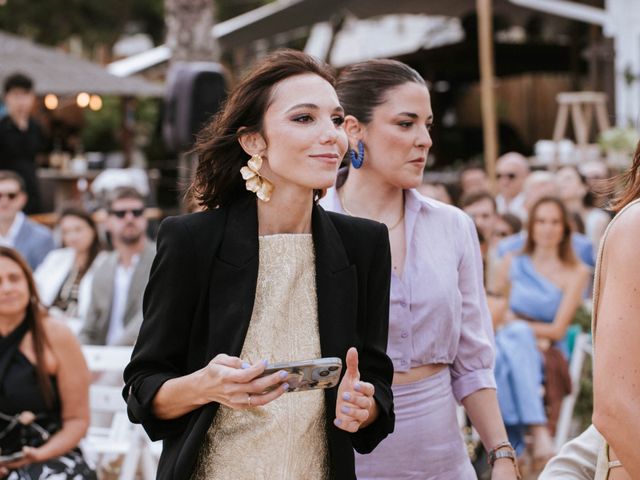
(73, 380)
(617, 364)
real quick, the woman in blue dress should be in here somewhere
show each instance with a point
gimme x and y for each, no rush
(544, 285)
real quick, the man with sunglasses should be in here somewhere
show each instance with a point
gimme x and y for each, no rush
(32, 240)
(511, 171)
(114, 314)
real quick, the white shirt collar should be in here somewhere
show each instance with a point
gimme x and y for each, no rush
(10, 238)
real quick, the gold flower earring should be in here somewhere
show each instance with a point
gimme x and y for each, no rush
(255, 182)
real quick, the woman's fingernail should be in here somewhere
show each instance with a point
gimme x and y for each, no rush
(357, 386)
(245, 365)
(346, 410)
(285, 386)
(265, 362)
(337, 422)
(283, 374)
(346, 396)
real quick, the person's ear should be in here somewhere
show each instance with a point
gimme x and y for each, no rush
(354, 129)
(253, 143)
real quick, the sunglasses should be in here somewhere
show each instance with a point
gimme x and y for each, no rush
(136, 212)
(9, 195)
(510, 176)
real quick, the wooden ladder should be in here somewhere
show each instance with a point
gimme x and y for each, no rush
(582, 106)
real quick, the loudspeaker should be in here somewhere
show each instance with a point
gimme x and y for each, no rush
(194, 94)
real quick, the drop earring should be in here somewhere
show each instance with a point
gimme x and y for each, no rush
(255, 182)
(357, 159)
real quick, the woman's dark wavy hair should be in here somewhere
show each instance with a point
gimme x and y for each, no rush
(630, 181)
(364, 86)
(34, 314)
(217, 180)
(96, 244)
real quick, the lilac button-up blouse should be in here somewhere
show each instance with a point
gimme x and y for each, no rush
(438, 311)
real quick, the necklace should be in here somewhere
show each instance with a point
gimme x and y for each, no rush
(348, 212)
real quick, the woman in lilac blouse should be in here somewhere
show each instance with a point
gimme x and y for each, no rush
(440, 333)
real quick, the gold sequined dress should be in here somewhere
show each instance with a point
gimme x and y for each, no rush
(285, 439)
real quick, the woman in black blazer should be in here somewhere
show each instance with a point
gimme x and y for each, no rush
(220, 278)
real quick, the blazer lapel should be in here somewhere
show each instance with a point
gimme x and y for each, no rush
(233, 279)
(336, 286)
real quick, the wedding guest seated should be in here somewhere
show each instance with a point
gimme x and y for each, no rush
(44, 384)
(544, 284)
(579, 199)
(64, 277)
(32, 240)
(114, 314)
(540, 184)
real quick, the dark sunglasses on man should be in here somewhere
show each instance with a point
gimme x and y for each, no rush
(510, 176)
(136, 212)
(9, 195)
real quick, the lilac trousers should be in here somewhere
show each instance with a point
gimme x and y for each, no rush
(426, 443)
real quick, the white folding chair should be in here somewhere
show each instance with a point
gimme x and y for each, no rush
(119, 438)
(581, 348)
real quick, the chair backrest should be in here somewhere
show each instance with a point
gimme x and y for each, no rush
(106, 358)
(106, 398)
(582, 347)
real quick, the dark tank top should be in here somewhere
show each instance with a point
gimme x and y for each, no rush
(19, 387)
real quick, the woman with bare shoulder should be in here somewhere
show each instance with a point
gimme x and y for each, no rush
(44, 384)
(615, 314)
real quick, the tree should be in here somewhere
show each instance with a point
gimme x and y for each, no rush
(52, 22)
(189, 24)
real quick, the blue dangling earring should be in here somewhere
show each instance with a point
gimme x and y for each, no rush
(357, 159)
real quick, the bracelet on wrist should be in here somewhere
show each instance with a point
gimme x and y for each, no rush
(504, 450)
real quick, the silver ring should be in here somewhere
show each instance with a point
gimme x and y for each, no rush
(249, 399)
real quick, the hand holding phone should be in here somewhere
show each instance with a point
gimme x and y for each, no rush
(308, 374)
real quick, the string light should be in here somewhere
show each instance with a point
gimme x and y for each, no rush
(95, 103)
(50, 100)
(83, 99)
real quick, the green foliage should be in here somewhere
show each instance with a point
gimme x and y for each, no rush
(100, 133)
(102, 129)
(52, 22)
(584, 404)
(583, 409)
(95, 21)
(618, 139)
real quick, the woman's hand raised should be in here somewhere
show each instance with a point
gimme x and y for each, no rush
(356, 407)
(237, 384)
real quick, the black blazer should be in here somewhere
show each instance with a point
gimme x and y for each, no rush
(199, 301)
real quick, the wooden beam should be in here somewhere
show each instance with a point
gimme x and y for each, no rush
(487, 93)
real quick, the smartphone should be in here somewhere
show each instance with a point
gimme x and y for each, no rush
(11, 457)
(308, 374)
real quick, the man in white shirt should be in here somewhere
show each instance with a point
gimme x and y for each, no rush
(32, 240)
(512, 170)
(114, 314)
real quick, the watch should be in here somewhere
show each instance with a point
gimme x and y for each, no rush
(504, 450)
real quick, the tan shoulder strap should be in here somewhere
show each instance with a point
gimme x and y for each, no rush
(596, 279)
